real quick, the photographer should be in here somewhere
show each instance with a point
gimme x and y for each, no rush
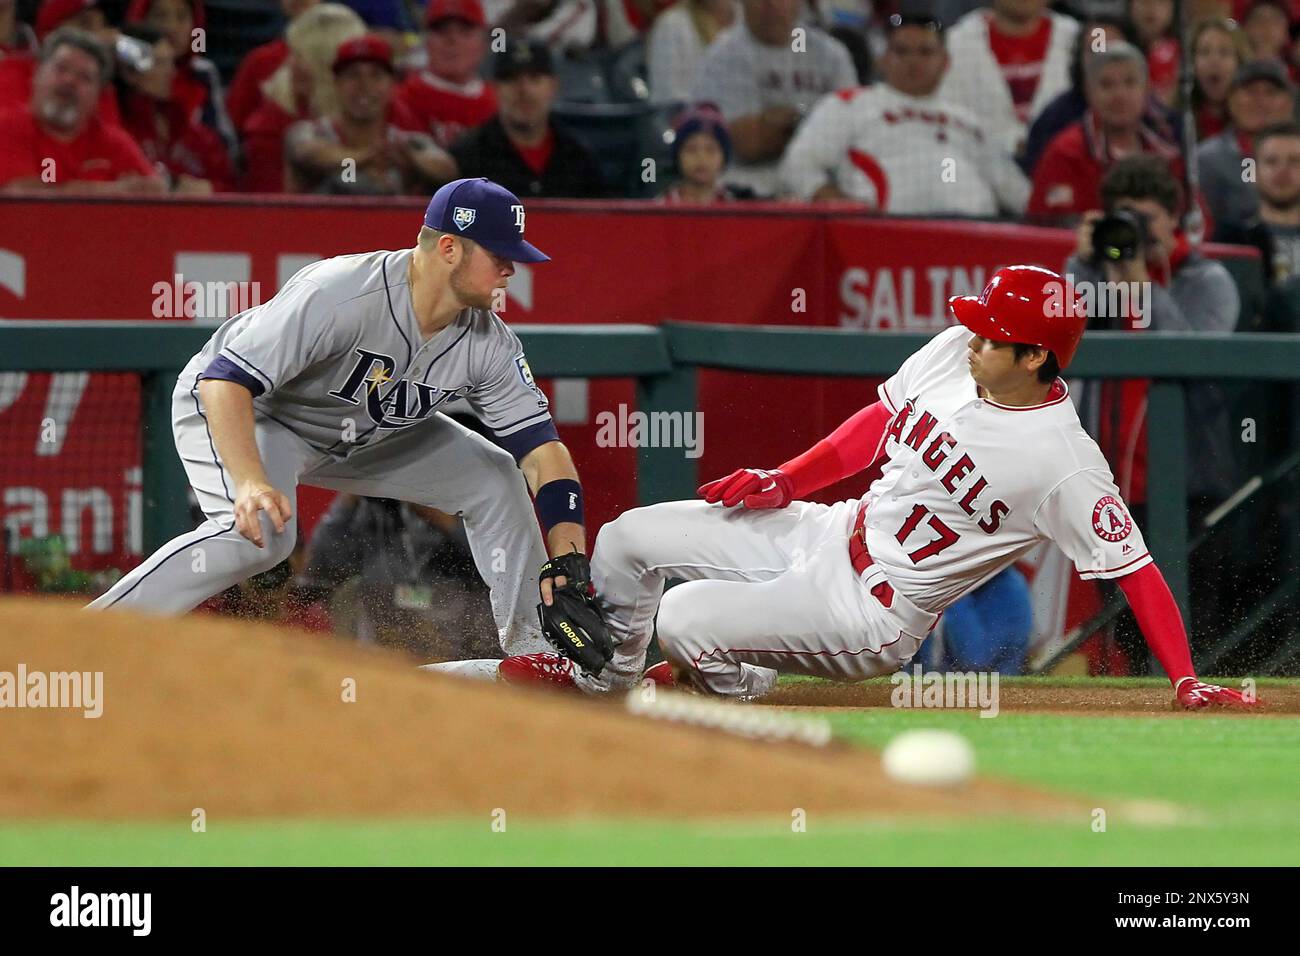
(1172, 288)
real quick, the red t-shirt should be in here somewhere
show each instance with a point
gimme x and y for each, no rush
(536, 157)
(184, 146)
(446, 110)
(102, 153)
(1021, 59)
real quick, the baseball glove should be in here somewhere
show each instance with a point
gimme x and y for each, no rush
(572, 622)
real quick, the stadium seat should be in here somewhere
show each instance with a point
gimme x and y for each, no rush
(582, 80)
(1248, 274)
(627, 73)
(622, 135)
(237, 26)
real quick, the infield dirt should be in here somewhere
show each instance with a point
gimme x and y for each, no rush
(250, 721)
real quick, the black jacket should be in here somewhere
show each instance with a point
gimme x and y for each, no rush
(570, 173)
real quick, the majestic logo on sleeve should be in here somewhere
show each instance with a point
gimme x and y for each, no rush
(402, 403)
(1110, 520)
(463, 217)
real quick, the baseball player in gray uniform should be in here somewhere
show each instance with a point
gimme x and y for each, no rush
(337, 382)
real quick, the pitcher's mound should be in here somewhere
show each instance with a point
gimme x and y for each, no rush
(245, 720)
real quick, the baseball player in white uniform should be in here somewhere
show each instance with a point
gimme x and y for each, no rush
(974, 455)
(337, 382)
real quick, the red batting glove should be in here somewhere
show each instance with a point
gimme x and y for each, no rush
(1195, 695)
(753, 486)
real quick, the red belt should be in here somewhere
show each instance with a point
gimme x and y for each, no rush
(861, 558)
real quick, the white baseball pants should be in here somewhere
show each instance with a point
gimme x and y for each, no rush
(766, 592)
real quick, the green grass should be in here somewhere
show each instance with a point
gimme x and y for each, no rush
(1233, 780)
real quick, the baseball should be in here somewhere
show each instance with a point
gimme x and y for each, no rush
(931, 758)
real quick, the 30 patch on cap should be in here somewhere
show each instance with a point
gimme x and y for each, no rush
(1110, 520)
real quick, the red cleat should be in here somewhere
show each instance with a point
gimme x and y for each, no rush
(537, 669)
(661, 675)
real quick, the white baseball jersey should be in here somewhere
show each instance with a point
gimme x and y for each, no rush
(900, 154)
(745, 77)
(971, 485)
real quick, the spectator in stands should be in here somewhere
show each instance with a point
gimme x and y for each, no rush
(192, 155)
(16, 37)
(17, 69)
(257, 66)
(87, 15)
(765, 80)
(701, 151)
(450, 97)
(1261, 96)
(355, 150)
(415, 585)
(1188, 293)
(521, 147)
(1067, 181)
(1008, 62)
(1154, 22)
(196, 88)
(301, 89)
(1219, 48)
(677, 43)
(561, 25)
(1095, 35)
(59, 141)
(1275, 230)
(627, 20)
(899, 148)
(1268, 28)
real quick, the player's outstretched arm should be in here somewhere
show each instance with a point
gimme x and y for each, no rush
(1162, 627)
(553, 480)
(854, 446)
(228, 407)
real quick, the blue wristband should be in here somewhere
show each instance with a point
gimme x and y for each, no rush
(559, 500)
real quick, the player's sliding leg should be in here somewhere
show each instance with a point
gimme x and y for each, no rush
(194, 566)
(816, 618)
(444, 465)
(638, 552)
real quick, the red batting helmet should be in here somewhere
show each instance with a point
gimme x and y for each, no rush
(1025, 304)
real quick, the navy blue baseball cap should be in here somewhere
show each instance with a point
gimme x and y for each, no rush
(489, 214)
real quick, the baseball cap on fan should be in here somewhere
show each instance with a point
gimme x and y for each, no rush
(467, 11)
(489, 214)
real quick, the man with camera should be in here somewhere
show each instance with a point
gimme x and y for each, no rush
(1135, 270)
